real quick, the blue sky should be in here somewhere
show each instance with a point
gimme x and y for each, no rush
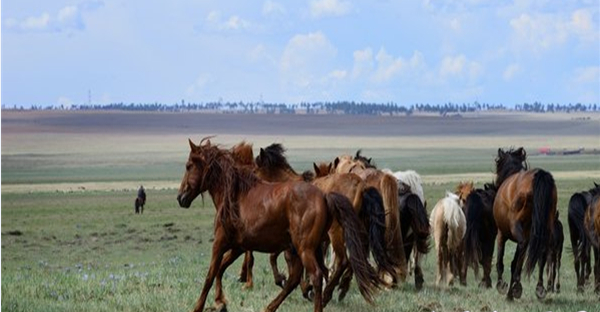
(418, 51)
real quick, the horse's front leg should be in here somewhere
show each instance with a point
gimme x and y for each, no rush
(246, 272)
(277, 276)
(219, 248)
(596, 270)
(419, 280)
(501, 286)
(228, 259)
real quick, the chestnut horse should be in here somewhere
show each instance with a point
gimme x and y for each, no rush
(449, 226)
(269, 217)
(580, 245)
(481, 230)
(272, 166)
(388, 188)
(591, 224)
(524, 210)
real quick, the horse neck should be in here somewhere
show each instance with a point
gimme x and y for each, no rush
(506, 172)
(279, 175)
(228, 182)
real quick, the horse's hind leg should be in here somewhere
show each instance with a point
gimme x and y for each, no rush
(277, 276)
(501, 286)
(596, 271)
(295, 274)
(246, 272)
(540, 291)
(419, 280)
(516, 289)
(341, 264)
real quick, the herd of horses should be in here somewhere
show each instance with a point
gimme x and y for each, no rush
(362, 212)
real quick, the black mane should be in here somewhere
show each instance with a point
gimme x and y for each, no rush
(366, 161)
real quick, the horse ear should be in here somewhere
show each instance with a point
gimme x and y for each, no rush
(316, 169)
(369, 160)
(499, 152)
(336, 162)
(193, 146)
(329, 168)
(595, 184)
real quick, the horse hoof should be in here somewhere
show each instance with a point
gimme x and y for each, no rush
(502, 287)
(517, 290)
(580, 289)
(540, 292)
(485, 284)
(310, 295)
(419, 282)
(342, 294)
(280, 282)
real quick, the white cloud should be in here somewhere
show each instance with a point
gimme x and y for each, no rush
(234, 22)
(460, 66)
(338, 74)
(511, 71)
(66, 19)
(587, 75)
(272, 8)
(321, 8)
(199, 85)
(387, 66)
(363, 62)
(543, 31)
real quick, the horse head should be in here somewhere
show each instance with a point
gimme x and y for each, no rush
(364, 160)
(463, 189)
(242, 154)
(196, 170)
(510, 162)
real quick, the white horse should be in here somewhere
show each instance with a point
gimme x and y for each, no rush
(449, 225)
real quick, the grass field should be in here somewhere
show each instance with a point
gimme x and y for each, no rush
(71, 242)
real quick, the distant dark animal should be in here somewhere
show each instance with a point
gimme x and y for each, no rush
(554, 257)
(251, 214)
(524, 210)
(140, 200)
(580, 245)
(481, 231)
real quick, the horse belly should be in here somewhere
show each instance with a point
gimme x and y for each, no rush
(264, 234)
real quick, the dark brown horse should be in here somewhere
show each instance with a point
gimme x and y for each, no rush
(554, 257)
(524, 210)
(272, 166)
(415, 228)
(591, 224)
(269, 217)
(580, 245)
(481, 231)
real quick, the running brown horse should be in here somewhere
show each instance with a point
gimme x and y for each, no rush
(591, 224)
(272, 166)
(580, 245)
(481, 230)
(388, 188)
(524, 210)
(269, 217)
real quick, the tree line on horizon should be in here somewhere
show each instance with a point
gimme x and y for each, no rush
(341, 107)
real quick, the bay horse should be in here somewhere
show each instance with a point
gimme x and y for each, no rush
(591, 224)
(481, 230)
(272, 166)
(415, 229)
(140, 200)
(449, 226)
(388, 188)
(580, 245)
(524, 210)
(269, 217)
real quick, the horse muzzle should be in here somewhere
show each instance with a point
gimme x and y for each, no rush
(184, 200)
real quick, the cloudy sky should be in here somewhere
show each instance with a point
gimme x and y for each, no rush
(418, 51)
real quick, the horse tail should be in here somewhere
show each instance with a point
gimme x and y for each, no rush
(372, 210)
(355, 238)
(474, 218)
(395, 245)
(454, 218)
(542, 226)
(576, 214)
(420, 222)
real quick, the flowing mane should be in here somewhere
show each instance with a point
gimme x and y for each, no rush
(509, 162)
(272, 161)
(242, 154)
(364, 160)
(226, 181)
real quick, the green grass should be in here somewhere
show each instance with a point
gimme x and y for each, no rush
(87, 250)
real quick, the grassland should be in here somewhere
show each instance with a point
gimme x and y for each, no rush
(71, 242)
